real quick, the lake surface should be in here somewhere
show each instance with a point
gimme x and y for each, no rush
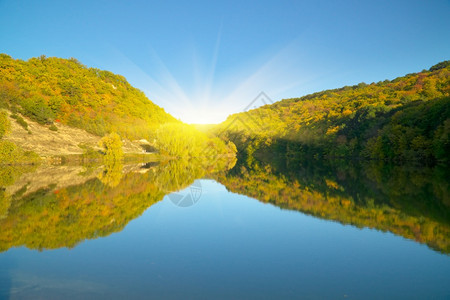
(244, 231)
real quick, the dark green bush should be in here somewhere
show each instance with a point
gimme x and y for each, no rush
(20, 121)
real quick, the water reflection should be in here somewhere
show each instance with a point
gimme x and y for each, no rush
(227, 245)
(60, 206)
(413, 202)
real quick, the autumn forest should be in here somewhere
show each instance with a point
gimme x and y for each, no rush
(84, 156)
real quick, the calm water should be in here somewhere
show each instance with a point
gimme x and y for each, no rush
(109, 234)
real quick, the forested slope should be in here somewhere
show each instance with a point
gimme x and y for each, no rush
(53, 89)
(404, 119)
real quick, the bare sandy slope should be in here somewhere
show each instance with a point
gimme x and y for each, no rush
(65, 141)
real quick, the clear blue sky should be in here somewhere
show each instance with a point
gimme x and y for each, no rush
(202, 60)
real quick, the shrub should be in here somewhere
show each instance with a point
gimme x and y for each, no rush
(20, 121)
(10, 153)
(112, 145)
(36, 109)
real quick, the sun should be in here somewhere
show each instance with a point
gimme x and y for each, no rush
(202, 116)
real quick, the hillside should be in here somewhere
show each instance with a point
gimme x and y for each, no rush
(55, 90)
(404, 119)
(59, 105)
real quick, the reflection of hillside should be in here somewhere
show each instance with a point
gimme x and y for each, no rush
(56, 215)
(59, 176)
(408, 202)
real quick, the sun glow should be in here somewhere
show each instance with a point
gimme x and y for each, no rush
(203, 116)
(207, 99)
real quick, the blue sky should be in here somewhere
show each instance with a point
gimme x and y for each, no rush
(202, 60)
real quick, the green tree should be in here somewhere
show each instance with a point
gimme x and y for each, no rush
(112, 173)
(112, 145)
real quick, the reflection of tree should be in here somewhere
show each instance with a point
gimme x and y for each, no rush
(8, 175)
(112, 173)
(100, 206)
(5, 203)
(184, 172)
(406, 201)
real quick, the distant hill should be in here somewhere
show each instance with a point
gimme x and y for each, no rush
(404, 119)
